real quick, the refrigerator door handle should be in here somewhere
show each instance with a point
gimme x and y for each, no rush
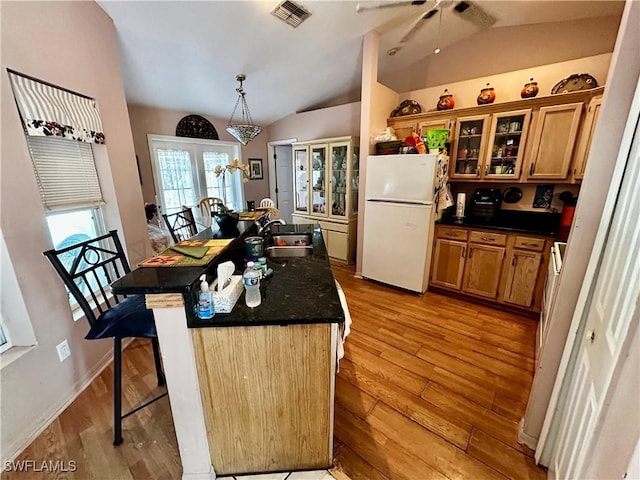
(398, 201)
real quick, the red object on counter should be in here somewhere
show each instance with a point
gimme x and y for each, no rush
(566, 219)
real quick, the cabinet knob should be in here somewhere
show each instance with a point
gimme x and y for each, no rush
(464, 251)
(488, 239)
(470, 252)
(531, 169)
(513, 261)
(590, 336)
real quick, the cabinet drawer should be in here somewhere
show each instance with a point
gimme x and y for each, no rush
(457, 233)
(529, 243)
(488, 238)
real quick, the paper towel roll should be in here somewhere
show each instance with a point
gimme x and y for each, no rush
(460, 202)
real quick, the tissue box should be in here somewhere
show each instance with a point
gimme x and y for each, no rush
(225, 300)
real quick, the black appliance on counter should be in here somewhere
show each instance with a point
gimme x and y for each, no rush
(485, 202)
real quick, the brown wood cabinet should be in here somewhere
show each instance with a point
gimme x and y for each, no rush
(267, 393)
(554, 136)
(506, 268)
(584, 141)
(547, 139)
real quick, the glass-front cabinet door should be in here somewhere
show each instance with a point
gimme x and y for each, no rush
(506, 144)
(301, 179)
(339, 179)
(319, 179)
(470, 144)
(355, 178)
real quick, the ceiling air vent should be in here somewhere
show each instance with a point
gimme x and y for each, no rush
(291, 13)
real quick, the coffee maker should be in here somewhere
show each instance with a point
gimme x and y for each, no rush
(485, 203)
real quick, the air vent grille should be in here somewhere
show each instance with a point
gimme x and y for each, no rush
(291, 13)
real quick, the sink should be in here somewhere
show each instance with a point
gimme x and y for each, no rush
(283, 245)
(290, 240)
(277, 251)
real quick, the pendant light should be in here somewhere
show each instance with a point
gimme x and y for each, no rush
(244, 130)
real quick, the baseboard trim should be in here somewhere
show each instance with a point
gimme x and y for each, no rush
(524, 438)
(48, 418)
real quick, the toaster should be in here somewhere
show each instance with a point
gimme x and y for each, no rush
(485, 202)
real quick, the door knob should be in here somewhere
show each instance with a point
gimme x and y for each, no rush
(591, 335)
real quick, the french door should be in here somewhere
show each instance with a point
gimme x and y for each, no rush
(184, 171)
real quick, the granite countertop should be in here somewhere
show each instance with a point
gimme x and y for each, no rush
(302, 290)
(512, 221)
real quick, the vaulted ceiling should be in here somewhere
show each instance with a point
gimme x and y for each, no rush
(185, 55)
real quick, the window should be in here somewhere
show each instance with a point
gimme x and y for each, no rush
(184, 171)
(5, 342)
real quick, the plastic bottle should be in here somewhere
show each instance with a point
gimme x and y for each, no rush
(251, 280)
(206, 308)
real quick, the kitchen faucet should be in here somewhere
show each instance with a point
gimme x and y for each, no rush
(263, 228)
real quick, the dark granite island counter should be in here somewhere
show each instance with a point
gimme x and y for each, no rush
(251, 391)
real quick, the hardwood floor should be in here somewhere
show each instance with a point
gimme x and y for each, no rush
(430, 388)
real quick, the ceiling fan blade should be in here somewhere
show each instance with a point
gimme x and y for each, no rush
(361, 7)
(472, 12)
(418, 24)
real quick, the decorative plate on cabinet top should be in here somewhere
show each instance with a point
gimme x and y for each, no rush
(195, 126)
(574, 83)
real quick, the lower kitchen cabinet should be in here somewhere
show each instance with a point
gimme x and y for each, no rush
(482, 270)
(506, 268)
(448, 263)
(339, 236)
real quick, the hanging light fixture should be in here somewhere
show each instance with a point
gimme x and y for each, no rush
(244, 130)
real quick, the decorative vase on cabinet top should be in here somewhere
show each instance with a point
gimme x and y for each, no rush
(487, 95)
(530, 89)
(446, 101)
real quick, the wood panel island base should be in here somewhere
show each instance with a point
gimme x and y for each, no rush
(251, 391)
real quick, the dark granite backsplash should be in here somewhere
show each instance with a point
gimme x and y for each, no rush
(510, 220)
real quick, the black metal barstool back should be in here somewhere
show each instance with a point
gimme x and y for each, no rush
(87, 269)
(182, 224)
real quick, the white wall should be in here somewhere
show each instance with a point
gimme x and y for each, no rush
(340, 121)
(71, 44)
(146, 120)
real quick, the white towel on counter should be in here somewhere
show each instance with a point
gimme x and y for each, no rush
(443, 196)
(346, 327)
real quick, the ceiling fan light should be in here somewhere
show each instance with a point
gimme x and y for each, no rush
(437, 50)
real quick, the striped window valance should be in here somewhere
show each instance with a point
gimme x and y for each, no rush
(47, 110)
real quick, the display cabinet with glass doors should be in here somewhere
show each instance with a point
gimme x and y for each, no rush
(329, 195)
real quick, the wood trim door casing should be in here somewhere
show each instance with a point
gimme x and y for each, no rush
(266, 393)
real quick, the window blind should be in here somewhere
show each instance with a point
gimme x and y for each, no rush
(66, 173)
(47, 110)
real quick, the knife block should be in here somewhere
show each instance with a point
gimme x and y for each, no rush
(225, 300)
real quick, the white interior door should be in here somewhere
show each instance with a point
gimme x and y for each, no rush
(612, 309)
(284, 181)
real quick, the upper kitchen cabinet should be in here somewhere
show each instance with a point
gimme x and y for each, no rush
(469, 145)
(586, 136)
(554, 136)
(507, 144)
(326, 175)
(531, 140)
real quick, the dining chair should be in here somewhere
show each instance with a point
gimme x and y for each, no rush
(87, 269)
(208, 207)
(267, 202)
(181, 224)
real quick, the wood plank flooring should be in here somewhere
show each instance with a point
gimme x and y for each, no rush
(430, 388)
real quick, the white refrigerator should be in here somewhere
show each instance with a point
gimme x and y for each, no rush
(399, 220)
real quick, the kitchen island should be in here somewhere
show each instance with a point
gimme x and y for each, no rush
(251, 391)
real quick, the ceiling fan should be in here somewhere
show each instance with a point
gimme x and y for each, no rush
(467, 10)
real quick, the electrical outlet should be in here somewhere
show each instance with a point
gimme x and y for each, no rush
(63, 350)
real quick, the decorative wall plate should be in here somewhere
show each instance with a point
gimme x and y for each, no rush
(195, 126)
(575, 82)
(512, 195)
